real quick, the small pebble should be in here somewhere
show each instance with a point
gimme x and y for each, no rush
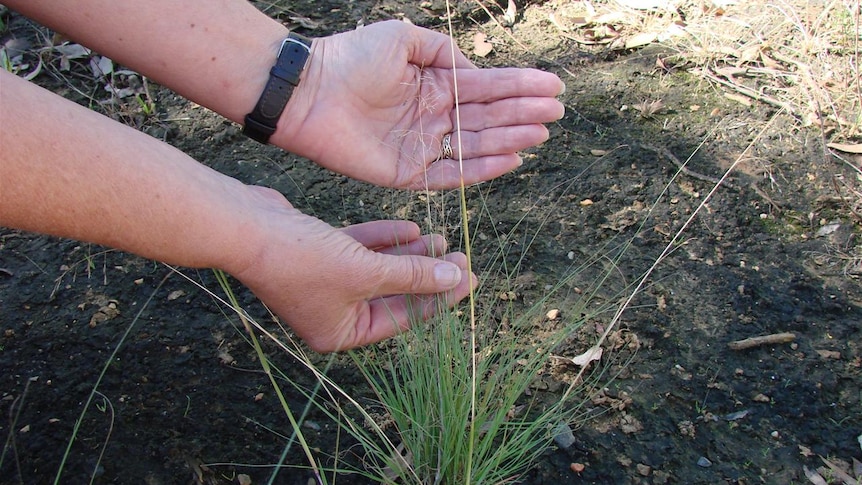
(312, 425)
(563, 436)
(704, 462)
(577, 467)
(737, 415)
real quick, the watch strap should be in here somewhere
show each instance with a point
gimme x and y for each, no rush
(261, 123)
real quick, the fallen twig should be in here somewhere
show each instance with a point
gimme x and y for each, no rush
(751, 93)
(775, 338)
(681, 166)
(839, 473)
(757, 190)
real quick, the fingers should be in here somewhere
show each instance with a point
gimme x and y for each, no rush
(415, 275)
(446, 174)
(384, 234)
(398, 238)
(432, 245)
(508, 112)
(496, 141)
(486, 85)
(390, 315)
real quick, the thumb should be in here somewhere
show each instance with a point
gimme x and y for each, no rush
(434, 49)
(417, 275)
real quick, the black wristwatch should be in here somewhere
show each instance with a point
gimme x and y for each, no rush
(260, 124)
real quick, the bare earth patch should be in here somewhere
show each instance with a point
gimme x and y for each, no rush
(660, 103)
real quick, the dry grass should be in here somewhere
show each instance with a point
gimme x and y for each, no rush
(801, 56)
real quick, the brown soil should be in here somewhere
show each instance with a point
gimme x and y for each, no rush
(685, 408)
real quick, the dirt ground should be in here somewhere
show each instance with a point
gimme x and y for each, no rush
(762, 257)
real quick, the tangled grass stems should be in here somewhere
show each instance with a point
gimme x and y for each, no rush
(424, 381)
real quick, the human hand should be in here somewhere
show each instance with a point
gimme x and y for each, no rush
(375, 103)
(340, 289)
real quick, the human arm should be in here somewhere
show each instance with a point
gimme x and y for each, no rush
(372, 104)
(67, 171)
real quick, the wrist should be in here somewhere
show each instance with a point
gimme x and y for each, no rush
(288, 132)
(284, 76)
(253, 211)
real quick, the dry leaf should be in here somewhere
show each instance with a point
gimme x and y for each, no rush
(630, 424)
(640, 40)
(839, 473)
(738, 98)
(846, 148)
(402, 462)
(647, 109)
(305, 22)
(481, 46)
(595, 353)
(225, 357)
(101, 67)
(105, 313)
(511, 13)
(646, 4)
(805, 451)
(750, 54)
(813, 476)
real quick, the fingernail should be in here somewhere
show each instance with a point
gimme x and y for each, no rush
(563, 89)
(447, 275)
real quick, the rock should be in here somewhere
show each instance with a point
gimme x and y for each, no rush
(312, 425)
(704, 462)
(738, 415)
(829, 354)
(563, 436)
(643, 470)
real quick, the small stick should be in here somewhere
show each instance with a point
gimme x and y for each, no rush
(682, 168)
(751, 93)
(775, 338)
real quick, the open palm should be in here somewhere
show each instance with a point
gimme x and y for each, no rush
(375, 103)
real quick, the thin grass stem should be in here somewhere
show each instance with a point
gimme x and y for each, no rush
(104, 370)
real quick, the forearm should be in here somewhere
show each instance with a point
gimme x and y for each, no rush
(216, 52)
(67, 171)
